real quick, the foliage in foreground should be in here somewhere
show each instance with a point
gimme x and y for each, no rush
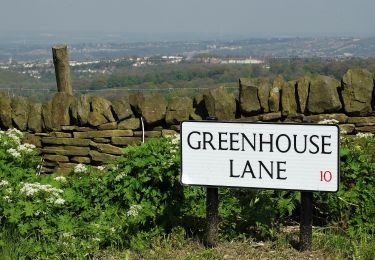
(139, 198)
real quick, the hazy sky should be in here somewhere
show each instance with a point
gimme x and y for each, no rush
(245, 17)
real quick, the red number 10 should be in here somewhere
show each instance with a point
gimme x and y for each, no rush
(325, 176)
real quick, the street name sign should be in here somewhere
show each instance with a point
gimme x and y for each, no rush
(303, 157)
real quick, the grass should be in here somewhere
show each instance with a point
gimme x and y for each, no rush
(328, 243)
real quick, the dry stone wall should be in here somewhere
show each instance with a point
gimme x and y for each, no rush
(92, 130)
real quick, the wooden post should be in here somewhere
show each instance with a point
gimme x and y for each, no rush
(306, 221)
(212, 216)
(62, 70)
(212, 212)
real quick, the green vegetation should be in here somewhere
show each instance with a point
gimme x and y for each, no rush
(137, 207)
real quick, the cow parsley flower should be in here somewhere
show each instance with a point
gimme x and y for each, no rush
(100, 168)
(14, 152)
(29, 189)
(60, 179)
(80, 168)
(364, 135)
(59, 201)
(134, 210)
(120, 176)
(4, 183)
(28, 148)
(328, 122)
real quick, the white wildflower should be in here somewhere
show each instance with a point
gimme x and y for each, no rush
(100, 168)
(134, 210)
(96, 239)
(328, 122)
(343, 131)
(60, 178)
(113, 229)
(120, 176)
(67, 234)
(7, 199)
(80, 168)
(4, 183)
(175, 139)
(364, 135)
(14, 152)
(59, 201)
(31, 188)
(28, 148)
(14, 134)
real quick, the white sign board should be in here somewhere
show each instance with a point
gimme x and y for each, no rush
(260, 155)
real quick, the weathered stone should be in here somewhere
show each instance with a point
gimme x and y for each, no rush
(157, 128)
(49, 163)
(81, 159)
(32, 139)
(347, 128)
(5, 111)
(60, 109)
(370, 129)
(126, 140)
(274, 100)
(56, 157)
(294, 118)
(341, 118)
(83, 129)
(179, 109)
(166, 132)
(66, 150)
(101, 140)
(20, 112)
(60, 135)
(96, 118)
(271, 116)
(288, 98)
(107, 148)
(176, 127)
(46, 170)
(47, 116)
(103, 133)
(247, 119)
(103, 107)
(34, 122)
(194, 116)
(122, 109)
(130, 123)
(68, 128)
(148, 133)
(248, 97)
(66, 141)
(361, 120)
(303, 86)
(323, 95)
(357, 91)
(199, 107)
(278, 82)
(42, 134)
(101, 157)
(108, 126)
(151, 107)
(80, 110)
(63, 170)
(220, 103)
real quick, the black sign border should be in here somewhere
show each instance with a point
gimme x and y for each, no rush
(265, 123)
